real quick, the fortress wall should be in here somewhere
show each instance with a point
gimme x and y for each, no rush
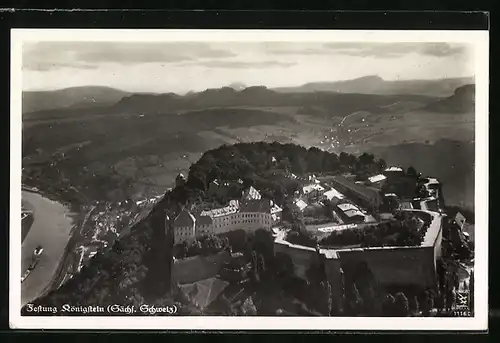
(396, 266)
(390, 266)
(302, 257)
(197, 268)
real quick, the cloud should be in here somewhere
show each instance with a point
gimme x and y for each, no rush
(394, 50)
(41, 56)
(295, 51)
(240, 64)
(46, 66)
(365, 49)
(443, 49)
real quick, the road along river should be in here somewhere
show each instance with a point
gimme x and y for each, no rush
(51, 228)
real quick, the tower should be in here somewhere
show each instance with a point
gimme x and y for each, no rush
(180, 180)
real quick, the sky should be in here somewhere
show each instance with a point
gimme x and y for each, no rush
(180, 67)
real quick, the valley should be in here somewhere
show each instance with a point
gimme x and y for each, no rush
(109, 152)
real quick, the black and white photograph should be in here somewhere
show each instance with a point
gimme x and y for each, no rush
(211, 179)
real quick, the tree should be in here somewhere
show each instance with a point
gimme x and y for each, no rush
(284, 266)
(411, 172)
(440, 300)
(264, 242)
(248, 308)
(238, 240)
(388, 305)
(471, 291)
(401, 305)
(427, 303)
(261, 264)
(356, 303)
(381, 164)
(255, 267)
(450, 299)
(366, 159)
(413, 304)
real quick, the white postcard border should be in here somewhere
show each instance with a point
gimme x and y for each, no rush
(479, 39)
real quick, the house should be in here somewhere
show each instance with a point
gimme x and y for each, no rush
(368, 197)
(222, 218)
(313, 191)
(393, 172)
(393, 169)
(350, 213)
(377, 179)
(184, 227)
(276, 213)
(333, 194)
(202, 293)
(254, 214)
(301, 204)
(251, 194)
(204, 226)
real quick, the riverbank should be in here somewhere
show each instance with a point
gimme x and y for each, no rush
(52, 228)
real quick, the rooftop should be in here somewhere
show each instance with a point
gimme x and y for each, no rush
(185, 218)
(301, 204)
(204, 292)
(353, 213)
(347, 207)
(251, 194)
(361, 190)
(219, 212)
(394, 169)
(377, 178)
(204, 220)
(260, 205)
(275, 209)
(333, 193)
(309, 188)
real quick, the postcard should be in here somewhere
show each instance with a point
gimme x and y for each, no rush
(247, 179)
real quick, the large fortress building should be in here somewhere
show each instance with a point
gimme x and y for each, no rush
(250, 213)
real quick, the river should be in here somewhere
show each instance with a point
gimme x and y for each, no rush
(51, 229)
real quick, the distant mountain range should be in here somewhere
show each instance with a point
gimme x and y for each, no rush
(74, 97)
(339, 97)
(376, 85)
(334, 104)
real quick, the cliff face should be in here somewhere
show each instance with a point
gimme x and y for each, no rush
(462, 101)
